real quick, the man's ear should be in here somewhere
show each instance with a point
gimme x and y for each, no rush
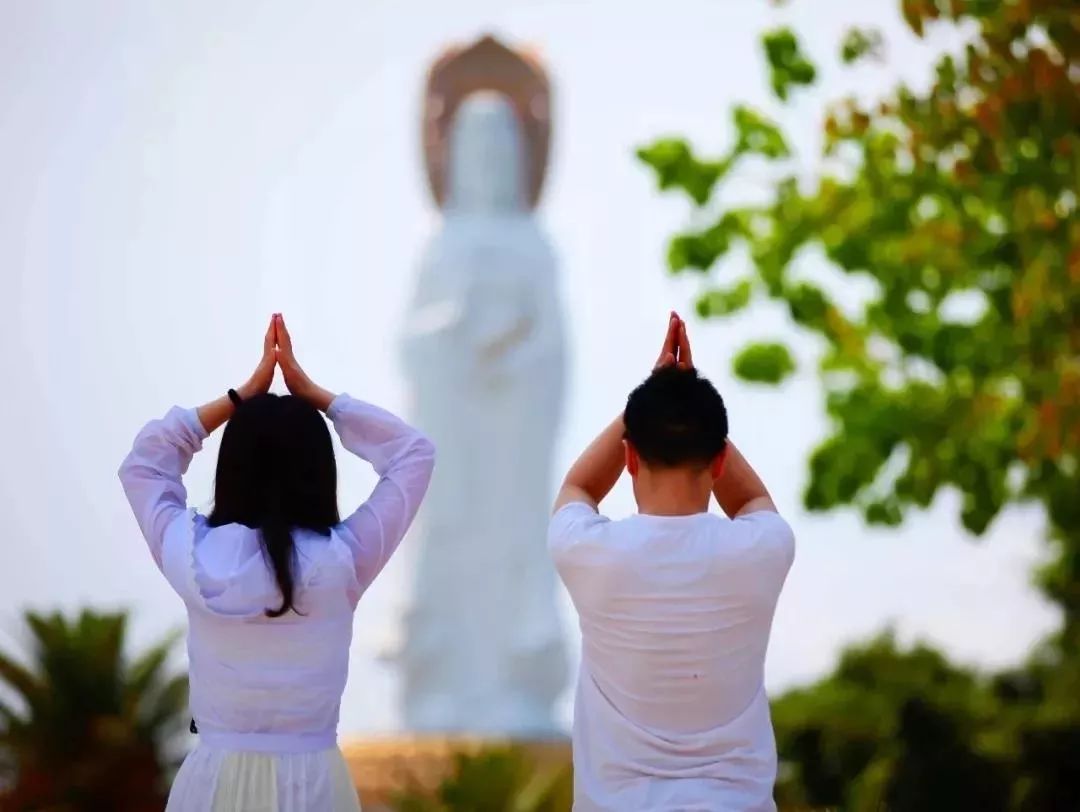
(633, 461)
(716, 467)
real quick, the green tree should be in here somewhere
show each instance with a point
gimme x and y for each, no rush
(955, 206)
(894, 727)
(88, 728)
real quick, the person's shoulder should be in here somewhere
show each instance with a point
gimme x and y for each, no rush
(767, 532)
(574, 524)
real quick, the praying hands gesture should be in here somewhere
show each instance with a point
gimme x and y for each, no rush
(676, 348)
(296, 380)
(599, 467)
(277, 352)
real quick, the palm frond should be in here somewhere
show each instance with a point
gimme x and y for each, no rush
(145, 672)
(21, 680)
(90, 717)
(169, 703)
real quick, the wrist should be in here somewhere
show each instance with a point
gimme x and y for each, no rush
(320, 398)
(246, 391)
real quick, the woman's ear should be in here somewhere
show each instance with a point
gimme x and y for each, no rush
(633, 461)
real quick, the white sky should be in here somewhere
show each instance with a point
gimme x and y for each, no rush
(170, 173)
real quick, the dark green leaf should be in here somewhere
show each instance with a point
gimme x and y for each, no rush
(788, 66)
(764, 363)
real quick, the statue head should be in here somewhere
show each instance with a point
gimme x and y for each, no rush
(485, 170)
(486, 97)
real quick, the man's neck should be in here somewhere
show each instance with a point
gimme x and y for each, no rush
(672, 493)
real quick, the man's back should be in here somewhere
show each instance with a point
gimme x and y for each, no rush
(675, 616)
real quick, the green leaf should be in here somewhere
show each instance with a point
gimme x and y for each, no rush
(757, 134)
(726, 301)
(884, 512)
(859, 43)
(767, 363)
(808, 305)
(21, 680)
(788, 66)
(677, 167)
(701, 249)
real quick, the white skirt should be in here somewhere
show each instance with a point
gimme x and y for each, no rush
(216, 780)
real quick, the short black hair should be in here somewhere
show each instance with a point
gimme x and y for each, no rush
(675, 418)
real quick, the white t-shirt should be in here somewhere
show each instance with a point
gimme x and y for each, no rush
(675, 611)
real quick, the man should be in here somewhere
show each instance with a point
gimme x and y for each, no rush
(675, 604)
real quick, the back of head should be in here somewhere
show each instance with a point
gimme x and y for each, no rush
(676, 419)
(276, 472)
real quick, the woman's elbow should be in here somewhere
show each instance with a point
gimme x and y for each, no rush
(424, 448)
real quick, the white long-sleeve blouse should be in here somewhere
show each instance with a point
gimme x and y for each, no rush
(261, 684)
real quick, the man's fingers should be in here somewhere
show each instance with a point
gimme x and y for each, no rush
(669, 345)
(685, 357)
(672, 332)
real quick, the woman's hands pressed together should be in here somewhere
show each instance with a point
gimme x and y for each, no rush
(263, 376)
(296, 380)
(277, 352)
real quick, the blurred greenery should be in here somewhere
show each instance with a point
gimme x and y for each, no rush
(81, 726)
(495, 780)
(948, 313)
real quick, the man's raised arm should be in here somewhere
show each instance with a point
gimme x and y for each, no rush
(596, 471)
(599, 467)
(739, 490)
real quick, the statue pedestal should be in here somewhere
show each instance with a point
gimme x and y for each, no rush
(384, 765)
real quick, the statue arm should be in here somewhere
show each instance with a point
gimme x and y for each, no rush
(500, 317)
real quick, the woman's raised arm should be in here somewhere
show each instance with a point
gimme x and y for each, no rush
(402, 456)
(152, 472)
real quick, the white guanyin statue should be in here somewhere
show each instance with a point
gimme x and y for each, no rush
(482, 648)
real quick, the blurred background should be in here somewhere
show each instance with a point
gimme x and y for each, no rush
(869, 210)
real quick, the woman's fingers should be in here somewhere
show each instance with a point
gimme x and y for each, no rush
(284, 340)
(270, 339)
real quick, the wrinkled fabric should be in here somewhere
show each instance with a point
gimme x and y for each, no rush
(266, 692)
(216, 780)
(671, 713)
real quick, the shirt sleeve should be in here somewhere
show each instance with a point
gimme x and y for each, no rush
(152, 472)
(404, 459)
(573, 524)
(771, 537)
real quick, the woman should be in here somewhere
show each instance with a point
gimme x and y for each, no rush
(272, 576)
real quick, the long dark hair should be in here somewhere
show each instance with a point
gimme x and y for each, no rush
(276, 472)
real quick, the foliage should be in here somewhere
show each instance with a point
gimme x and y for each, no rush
(787, 64)
(958, 205)
(495, 780)
(948, 310)
(859, 43)
(889, 724)
(89, 728)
